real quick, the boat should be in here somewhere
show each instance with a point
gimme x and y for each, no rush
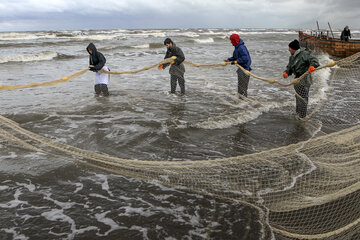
(330, 45)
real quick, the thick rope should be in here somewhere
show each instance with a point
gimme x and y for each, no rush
(168, 60)
(49, 83)
(74, 75)
(222, 64)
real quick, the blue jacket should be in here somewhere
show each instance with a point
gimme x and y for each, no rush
(241, 55)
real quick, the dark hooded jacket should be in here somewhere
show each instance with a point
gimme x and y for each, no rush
(96, 59)
(345, 33)
(240, 54)
(178, 68)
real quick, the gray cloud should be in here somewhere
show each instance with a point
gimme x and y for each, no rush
(94, 14)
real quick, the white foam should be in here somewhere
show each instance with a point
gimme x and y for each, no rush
(79, 187)
(25, 36)
(141, 229)
(15, 234)
(63, 205)
(31, 187)
(105, 184)
(242, 116)
(320, 80)
(190, 34)
(101, 196)
(58, 215)
(101, 217)
(142, 46)
(44, 56)
(206, 40)
(14, 203)
(130, 211)
(2, 188)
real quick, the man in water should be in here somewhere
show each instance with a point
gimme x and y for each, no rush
(177, 68)
(97, 62)
(242, 57)
(301, 61)
(345, 34)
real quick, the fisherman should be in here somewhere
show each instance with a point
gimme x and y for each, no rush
(242, 57)
(301, 61)
(177, 68)
(345, 34)
(97, 63)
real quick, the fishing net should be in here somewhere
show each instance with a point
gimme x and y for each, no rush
(308, 190)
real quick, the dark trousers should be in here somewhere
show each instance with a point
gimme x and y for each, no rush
(302, 99)
(243, 82)
(173, 82)
(101, 88)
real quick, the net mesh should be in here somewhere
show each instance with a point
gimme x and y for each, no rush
(308, 190)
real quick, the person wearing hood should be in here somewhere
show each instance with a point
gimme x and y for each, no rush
(177, 68)
(242, 57)
(97, 62)
(345, 34)
(301, 61)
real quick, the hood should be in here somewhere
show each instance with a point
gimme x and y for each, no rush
(235, 39)
(92, 47)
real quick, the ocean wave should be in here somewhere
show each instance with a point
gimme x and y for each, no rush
(149, 45)
(61, 56)
(10, 36)
(141, 46)
(98, 35)
(78, 35)
(321, 78)
(206, 40)
(35, 44)
(246, 115)
(189, 34)
(17, 45)
(44, 56)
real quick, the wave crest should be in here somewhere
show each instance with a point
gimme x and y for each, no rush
(44, 56)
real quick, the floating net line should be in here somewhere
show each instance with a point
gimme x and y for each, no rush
(168, 60)
(308, 190)
(43, 84)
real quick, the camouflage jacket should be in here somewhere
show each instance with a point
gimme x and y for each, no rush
(299, 63)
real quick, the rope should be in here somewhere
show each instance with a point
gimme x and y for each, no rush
(222, 64)
(296, 80)
(168, 60)
(74, 75)
(49, 83)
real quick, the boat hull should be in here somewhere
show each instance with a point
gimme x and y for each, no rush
(332, 46)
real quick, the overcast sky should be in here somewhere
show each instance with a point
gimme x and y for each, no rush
(23, 15)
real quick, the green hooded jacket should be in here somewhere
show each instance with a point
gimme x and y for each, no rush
(299, 63)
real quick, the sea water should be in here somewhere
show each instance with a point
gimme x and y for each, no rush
(55, 197)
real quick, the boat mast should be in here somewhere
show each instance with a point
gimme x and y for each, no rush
(331, 30)
(318, 28)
